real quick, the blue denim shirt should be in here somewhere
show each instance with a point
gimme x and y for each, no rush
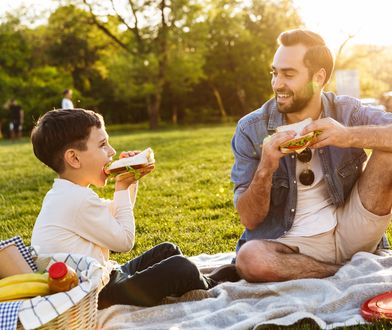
(341, 166)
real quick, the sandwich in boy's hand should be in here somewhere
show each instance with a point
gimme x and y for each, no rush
(299, 143)
(131, 164)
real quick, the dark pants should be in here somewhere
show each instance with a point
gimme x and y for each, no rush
(146, 280)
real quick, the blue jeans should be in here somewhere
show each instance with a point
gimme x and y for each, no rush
(157, 273)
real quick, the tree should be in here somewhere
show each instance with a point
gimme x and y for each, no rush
(241, 44)
(24, 74)
(75, 46)
(147, 26)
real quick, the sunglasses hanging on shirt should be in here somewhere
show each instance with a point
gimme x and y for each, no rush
(306, 177)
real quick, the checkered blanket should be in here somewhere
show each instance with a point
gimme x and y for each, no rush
(37, 311)
(9, 311)
(23, 249)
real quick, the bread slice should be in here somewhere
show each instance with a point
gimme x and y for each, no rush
(143, 159)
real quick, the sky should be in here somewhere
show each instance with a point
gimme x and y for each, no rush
(368, 21)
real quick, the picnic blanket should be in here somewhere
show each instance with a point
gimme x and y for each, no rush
(331, 302)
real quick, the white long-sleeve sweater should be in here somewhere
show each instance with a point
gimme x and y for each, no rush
(73, 219)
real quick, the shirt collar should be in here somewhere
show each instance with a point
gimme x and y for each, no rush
(277, 119)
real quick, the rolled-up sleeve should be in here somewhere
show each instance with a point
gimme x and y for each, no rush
(371, 116)
(246, 159)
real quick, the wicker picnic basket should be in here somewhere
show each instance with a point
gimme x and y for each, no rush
(81, 316)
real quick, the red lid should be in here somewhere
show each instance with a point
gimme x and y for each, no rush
(58, 270)
(378, 307)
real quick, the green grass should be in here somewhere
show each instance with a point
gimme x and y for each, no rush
(187, 199)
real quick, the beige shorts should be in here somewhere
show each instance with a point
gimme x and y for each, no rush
(357, 230)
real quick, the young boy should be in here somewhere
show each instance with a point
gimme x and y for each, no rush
(73, 219)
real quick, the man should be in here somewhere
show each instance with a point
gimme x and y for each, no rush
(308, 229)
(66, 103)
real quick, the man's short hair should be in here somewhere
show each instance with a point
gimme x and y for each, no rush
(317, 56)
(58, 130)
(66, 91)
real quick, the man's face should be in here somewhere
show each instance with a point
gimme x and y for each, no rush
(291, 83)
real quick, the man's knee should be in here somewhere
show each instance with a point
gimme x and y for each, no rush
(375, 184)
(252, 261)
(379, 163)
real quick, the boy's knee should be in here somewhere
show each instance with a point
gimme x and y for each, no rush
(170, 249)
(184, 266)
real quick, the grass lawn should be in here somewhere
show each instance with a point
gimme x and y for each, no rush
(187, 199)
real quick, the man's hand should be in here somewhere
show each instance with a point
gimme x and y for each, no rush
(271, 153)
(333, 133)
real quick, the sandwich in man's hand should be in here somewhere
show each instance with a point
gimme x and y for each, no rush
(131, 164)
(300, 142)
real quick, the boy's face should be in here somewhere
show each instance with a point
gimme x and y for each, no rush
(92, 161)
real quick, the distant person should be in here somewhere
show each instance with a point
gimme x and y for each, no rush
(16, 116)
(306, 214)
(3, 121)
(66, 103)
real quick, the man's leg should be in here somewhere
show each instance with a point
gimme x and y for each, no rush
(375, 184)
(268, 261)
(366, 214)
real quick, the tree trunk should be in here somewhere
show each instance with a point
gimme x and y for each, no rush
(217, 95)
(242, 97)
(175, 115)
(153, 106)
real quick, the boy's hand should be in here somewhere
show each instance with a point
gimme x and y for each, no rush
(126, 154)
(124, 180)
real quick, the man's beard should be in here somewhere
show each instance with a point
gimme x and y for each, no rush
(299, 101)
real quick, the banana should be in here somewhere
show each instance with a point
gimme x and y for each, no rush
(21, 278)
(23, 290)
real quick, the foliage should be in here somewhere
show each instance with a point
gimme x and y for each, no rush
(170, 60)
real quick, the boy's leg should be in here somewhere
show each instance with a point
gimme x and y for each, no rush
(367, 212)
(151, 257)
(172, 276)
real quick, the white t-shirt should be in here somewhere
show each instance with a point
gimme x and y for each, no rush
(66, 104)
(315, 213)
(73, 219)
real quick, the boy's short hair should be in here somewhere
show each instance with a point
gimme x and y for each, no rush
(318, 54)
(58, 130)
(66, 91)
